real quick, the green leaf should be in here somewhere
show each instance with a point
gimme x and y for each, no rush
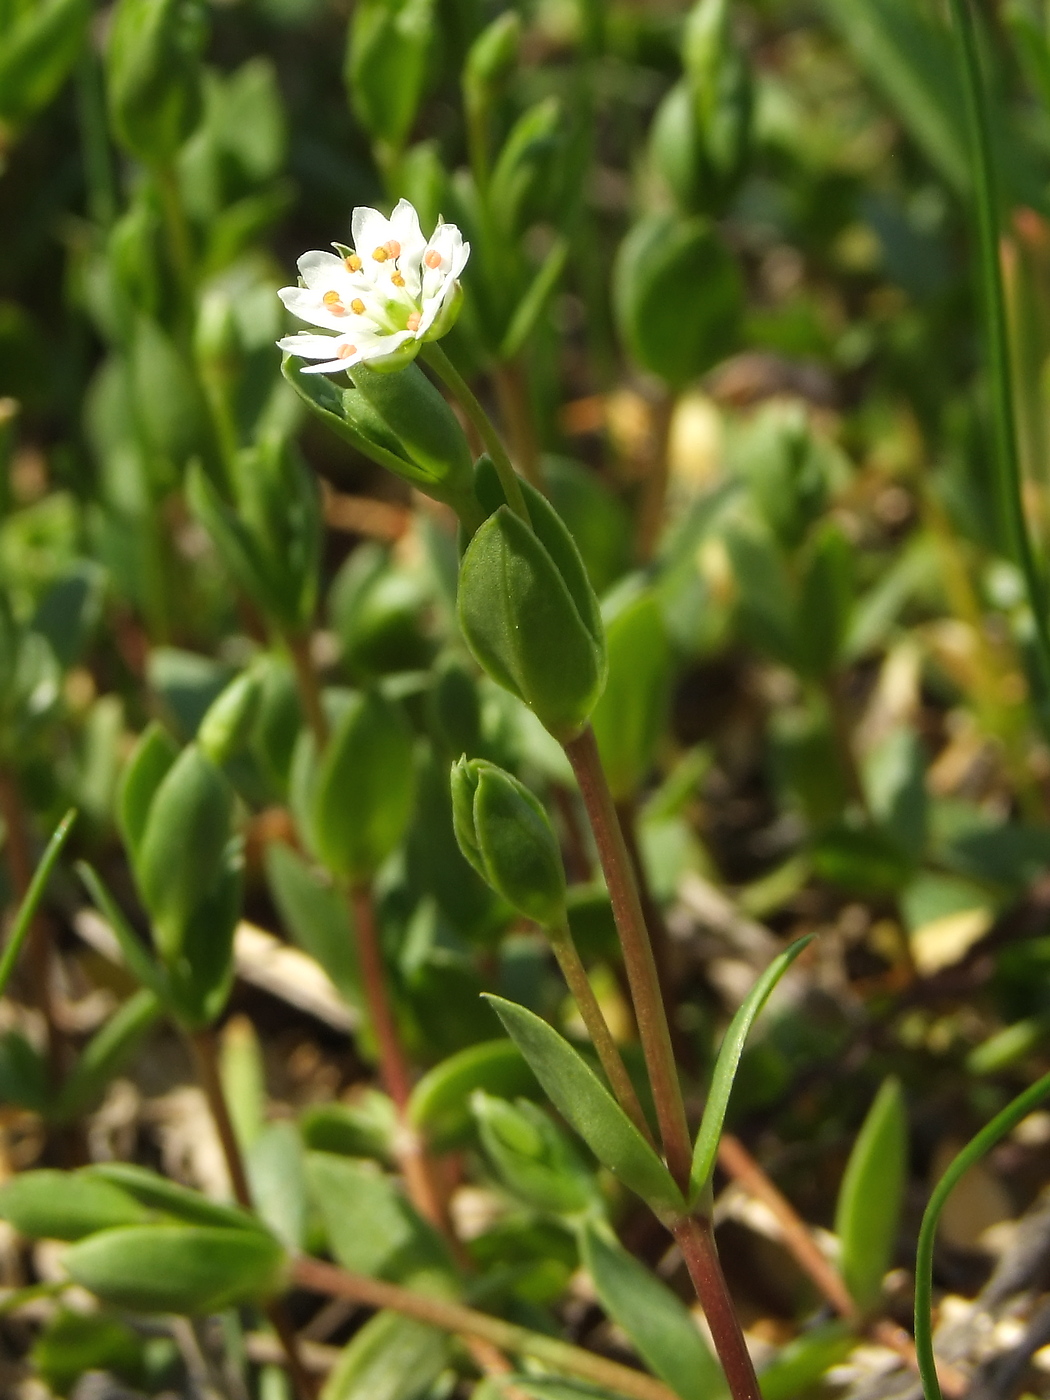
(150, 761)
(538, 293)
(629, 718)
(159, 1194)
(871, 1195)
(105, 1054)
(533, 1157)
(390, 1358)
(54, 1205)
(678, 296)
(895, 784)
(799, 1366)
(585, 1103)
(184, 847)
(139, 963)
(74, 1342)
(36, 55)
(386, 65)
(153, 73)
(186, 1269)
(276, 1168)
(656, 1320)
(368, 1127)
(556, 1388)
(440, 1104)
(519, 604)
(705, 1149)
(33, 895)
(365, 783)
(316, 916)
(371, 1228)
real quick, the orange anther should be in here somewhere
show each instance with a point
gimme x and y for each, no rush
(345, 351)
(433, 259)
(393, 248)
(357, 306)
(380, 254)
(353, 262)
(413, 321)
(397, 279)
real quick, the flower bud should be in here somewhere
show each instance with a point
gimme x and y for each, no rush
(506, 835)
(153, 75)
(535, 1161)
(402, 422)
(530, 617)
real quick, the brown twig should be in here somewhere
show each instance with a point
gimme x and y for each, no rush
(562, 1356)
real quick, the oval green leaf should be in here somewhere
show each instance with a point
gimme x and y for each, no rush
(871, 1195)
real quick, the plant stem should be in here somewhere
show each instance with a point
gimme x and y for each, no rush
(309, 688)
(446, 371)
(654, 920)
(423, 1187)
(579, 985)
(974, 1150)
(31, 897)
(695, 1240)
(513, 392)
(653, 1029)
(204, 1046)
(1008, 474)
(468, 1322)
(206, 1060)
(179, 239)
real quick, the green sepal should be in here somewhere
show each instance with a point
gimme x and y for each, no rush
(585, 1103)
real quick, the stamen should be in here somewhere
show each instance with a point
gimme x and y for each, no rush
(345, 351)
(414, 320)
(353, 262)
(397, 279)
(330, 298)
(380, 254)
(357, 306)
(433, 259)
(393, 248)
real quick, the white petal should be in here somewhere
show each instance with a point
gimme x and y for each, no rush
(322, 268)
(311, 346)
(370, 231)
(384, 345)
(309, 306)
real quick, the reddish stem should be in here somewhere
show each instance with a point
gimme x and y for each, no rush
(695, 1240)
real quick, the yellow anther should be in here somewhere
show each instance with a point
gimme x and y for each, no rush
(345, 351)
(397, 279)
(330, 298)
(433, 259)
(357, 306)
(353, 262)
(380, 254)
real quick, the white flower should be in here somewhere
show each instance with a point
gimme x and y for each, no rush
(382, 298)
